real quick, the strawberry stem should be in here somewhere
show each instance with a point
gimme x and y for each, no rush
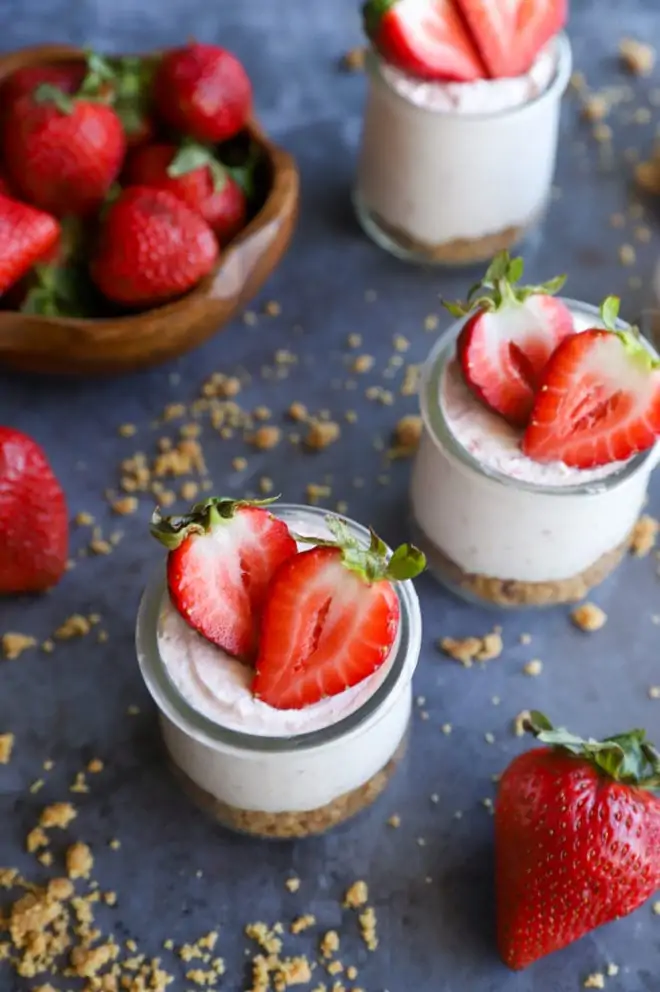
(499, 288)
(202, 517)
(373, 11)
(631, 338)
(47, 93)
(192, 155)
(627, 758)
(373, 563)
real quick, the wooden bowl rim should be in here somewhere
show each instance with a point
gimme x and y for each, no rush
(282, 164)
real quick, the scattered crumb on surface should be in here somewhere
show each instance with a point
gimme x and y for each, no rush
(467, 650)
(292, 884)
(637, 57)
(644, 536)
(533, 667)
(58, 815)
(6, 748)
(79, 860)
(13, 645)
(594, 981)
(356, 895)
(520, 723)
(353, 59)
(589, 617)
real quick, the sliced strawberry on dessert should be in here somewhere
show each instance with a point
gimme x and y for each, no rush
(330, 619)
(511, 33)
(222, 556)
(509, 337)
(425, 38)
(599, 401)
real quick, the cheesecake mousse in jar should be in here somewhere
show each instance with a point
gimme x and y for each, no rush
(501, 517)
(259, 768)
(452, 170)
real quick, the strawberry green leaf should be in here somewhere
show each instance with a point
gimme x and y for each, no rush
(609, 312)
(373, 563)
(244, 173)
(47, 93)
(499, 288)
(173, 530)
(626, 758)
(190, 156)
(373, 12)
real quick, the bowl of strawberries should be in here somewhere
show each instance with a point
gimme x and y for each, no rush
(141, 205)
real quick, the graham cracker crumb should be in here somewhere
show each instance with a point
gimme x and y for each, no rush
(596, 107)
(627, 255)
(272, 308)
(74, 626)
(594, 981)
(292, 884)
(533, 667)
(655, 909)
(329, 943)
(127, 430)
(36, 839)
(297, 412)
(644, 536)
(6, 748)
(410, 384)
(356, 895)
(470, 649)
(79, 861)
(322, 433)
(654, 692)
(407, 434)
(394, 821)
(95, 766)
(267, 437)
(13, 645)
(302, 923)
(647, 176)
(589, 617)
(612, 970)
(353, 59)
(636, 57)
(363, 364)
(239, 464)
(367, 921)
(58, 815)
(125, 505)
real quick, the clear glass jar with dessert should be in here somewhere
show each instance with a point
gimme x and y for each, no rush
(316, 734)
(460, 133)
(540, 435)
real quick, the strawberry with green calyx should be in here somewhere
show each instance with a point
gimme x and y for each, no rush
(194, 175)
(61, 152)
(330, 618)
(152, 248)
(424, 38)
(599, 398)
(577, 838)
(222, 557)
(26, 235)
(125, 83)
(509, 336)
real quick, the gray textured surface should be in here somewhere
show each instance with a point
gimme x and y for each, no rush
(436, 936)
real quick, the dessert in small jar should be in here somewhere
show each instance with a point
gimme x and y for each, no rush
(541, 419)
(461, 124)
(279, 648)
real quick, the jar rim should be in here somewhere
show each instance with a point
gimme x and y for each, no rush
(190, 721)
(441, 434)
(555, 87)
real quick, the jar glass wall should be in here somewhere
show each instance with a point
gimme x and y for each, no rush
(286, 786)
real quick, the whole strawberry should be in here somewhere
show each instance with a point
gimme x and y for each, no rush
(66, 76)
(509, 335)
(152, 248)
(34, 529)
(577, 839)
(195, 176)
(203, 91)
(62, 153)
(26, 235)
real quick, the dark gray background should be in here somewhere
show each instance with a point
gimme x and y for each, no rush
(436, 936)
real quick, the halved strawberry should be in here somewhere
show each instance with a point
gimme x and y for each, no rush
(511, 333)
(425, 38)
(509, 34)
(222, 556)
(599, 401)
(330, 619)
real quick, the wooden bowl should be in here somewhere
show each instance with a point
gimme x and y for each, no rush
(74, 346)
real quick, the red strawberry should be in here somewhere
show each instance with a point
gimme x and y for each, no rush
(203, 91)
(425, 38)
(4, 187)
(34, 529)
(26, 235)
(509, 337)
(577, 839)
(599, 400)
(62, 153)
(195, 176)
(152, 248)
(222, 555)
(330, 619)
(510, 35)
(66, 76)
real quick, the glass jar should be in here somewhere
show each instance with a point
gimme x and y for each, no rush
(455, 186)
(294, 786)
(496, 539)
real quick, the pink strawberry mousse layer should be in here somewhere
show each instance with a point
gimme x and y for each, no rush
(507, 516)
